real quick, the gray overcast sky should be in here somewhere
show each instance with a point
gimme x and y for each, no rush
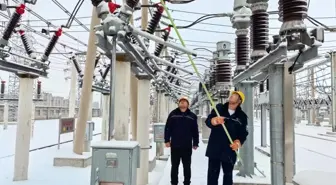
(46, 8)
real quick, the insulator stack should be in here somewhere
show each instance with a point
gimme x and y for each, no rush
(280, 10)
(133, 39)
(96, 2)
(106, 71)
(261, 87)
(154, 22)
(38, 89)
(2, 89)
(242, 52)
(159, 47)
(168, 68)
(132, 3)
(294, 13)
(212, 78)
(223, 71)
(259, 29)
(19, 11)
(26, 42)
(51, 45)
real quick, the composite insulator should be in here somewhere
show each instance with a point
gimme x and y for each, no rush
(78, 69)
(96, 2)
(38, 89)
(2, 88)
(168, 68)
(133, 40)
(154, 22)
(242, 52)
(159, 47)
(280, 10)
(25, 42)
(52, 44)
(259, 29)
(13, 22)
(96, 61)
(223, 71)
(261, 87)
(293, 10)
(132, 3)
(106, 71)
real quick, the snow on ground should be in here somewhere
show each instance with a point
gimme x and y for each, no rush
(41, 169)
(305, 178)
(199, 168)
(312, 153)
(45, 133)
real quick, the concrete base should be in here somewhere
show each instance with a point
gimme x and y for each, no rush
(73, 160)
(163, 158)
(311, 177)
(331, 133)
(151, 163)
(328, 134)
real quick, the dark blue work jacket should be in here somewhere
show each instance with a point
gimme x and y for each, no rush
(236, 124)
(181, 129)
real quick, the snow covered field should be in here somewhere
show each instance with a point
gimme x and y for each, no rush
(313, 152)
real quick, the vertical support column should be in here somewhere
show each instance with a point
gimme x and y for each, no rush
(5, 115)
(263, 126)
(32, 121)
(22, 145)
(247, 150)
(87, 86)
(134, 106)
(143, 115)
(90, 107)
(333, 94)
(105, 116)
(122, 100)
(289, 133)
(276, 124)
(162, 119)
(73, 91)
(312, 88)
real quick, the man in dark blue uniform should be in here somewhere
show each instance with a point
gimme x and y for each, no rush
(181, 135)
(220, 151)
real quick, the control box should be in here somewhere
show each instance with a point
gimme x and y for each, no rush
(159, 129)
(115, 162)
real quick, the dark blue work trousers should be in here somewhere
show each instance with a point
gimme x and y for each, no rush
(214, 167)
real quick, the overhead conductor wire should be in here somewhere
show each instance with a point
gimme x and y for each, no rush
(198, 74)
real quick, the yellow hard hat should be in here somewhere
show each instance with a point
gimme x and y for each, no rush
(240, 94)
(184, 98)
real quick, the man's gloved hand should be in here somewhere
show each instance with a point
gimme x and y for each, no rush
(235, 145)
(217, 121)
(167, 144)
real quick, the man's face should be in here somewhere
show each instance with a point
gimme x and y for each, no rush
(234, 101)
(183, 104)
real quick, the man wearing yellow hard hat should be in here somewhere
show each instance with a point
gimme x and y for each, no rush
(220, 151)
(181, 135)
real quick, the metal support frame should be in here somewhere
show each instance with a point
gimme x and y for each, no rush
(276, 123)
(247, 150)
(117, 26)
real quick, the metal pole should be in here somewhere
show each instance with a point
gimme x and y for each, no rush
(333, 96)
(276, 124)
(263, 126)
(112, 87)
(288, 108)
